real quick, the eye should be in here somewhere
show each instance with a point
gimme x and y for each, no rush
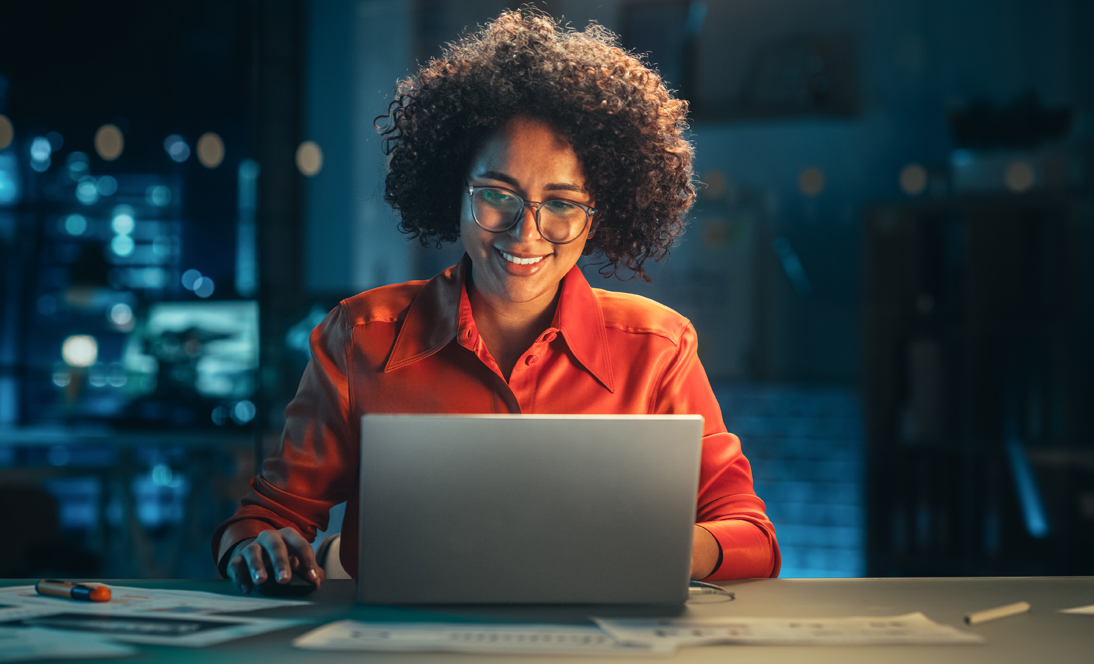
(561, 208)
(498, 198)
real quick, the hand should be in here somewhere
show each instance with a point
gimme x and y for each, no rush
(284, 551)
(704, 553)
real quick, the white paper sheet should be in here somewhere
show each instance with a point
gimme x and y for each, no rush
(137, 601)
(165, 630)
(1089, 610)
(470, 638)
(671, 633)
(29, 643)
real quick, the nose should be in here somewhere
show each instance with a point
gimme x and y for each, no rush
(526, 229)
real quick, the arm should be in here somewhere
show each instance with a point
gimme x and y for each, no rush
(728, 509)
(313, 469)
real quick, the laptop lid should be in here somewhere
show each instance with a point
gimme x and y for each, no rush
(527, 508)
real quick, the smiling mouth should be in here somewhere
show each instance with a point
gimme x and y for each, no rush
(519, 261)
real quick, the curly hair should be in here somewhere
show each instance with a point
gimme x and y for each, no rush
(625, 127)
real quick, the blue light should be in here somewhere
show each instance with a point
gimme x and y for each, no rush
(204, 287)
(56, 141)
(107, 185)
(158, 195)
(122, 245)
(40, 149)
(77, 164)
(40, 165)
(75, 224)
(176, 148)
(9, 180)
(87, 192)
(1029, 497)
(190, 279)
(123, 223)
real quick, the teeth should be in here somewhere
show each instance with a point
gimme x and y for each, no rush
(520, 261)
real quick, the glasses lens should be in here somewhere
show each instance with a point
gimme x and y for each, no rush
(495, 209)
(561, 221)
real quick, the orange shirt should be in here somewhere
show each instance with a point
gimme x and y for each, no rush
(414, 348)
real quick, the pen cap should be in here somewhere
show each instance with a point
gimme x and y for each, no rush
(100, 594)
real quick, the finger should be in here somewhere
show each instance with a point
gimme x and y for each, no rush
(256, 567)
(238, 573)
(302, 548)
(294, 562)
(275, 548)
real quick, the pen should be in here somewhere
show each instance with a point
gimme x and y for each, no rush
(67, 590)
(997, 612)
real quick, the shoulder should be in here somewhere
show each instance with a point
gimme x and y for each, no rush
(635, 314)
(386, 304)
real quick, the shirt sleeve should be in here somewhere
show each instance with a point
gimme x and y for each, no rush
(315, 466)
(727, 504)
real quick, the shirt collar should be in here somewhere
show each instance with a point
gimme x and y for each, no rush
(439, 314)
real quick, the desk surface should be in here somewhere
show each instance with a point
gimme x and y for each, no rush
(1042, 635)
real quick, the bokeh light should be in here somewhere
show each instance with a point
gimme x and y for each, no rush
(80, 350)
(811, 181)
(122, 245)
(204, 287)
(176, 148)
(158, 195)
(1019, 177)
(77, 165)
(7, 132)
(87, 191)
(309, 158)
(109, 142)
(913, 179)
(121, 314)
(123, 222)
(40, 149)
(210, 150)
(107, 185)
(190, 278)
(75, 224)
(243, 412)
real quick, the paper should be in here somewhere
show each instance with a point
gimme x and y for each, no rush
(137, 601)
(468, 638)
(671, 633)
(191, 631)
(29, 643)
(1089, 610)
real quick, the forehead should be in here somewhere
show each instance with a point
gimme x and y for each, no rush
(525, 148)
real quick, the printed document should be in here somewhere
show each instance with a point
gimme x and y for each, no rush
(672, 633)
(31, 643)
(468, 638)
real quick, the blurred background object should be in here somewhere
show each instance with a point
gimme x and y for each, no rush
(888, 263)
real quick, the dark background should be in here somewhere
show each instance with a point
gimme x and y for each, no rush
(889, 264)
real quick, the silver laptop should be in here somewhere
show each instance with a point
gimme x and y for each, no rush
(553, 509)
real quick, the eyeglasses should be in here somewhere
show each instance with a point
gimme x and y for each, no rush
(558, 220)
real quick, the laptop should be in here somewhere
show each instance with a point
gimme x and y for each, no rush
(527, 509)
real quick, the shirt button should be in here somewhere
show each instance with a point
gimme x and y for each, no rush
(531, 360)
(549, 337)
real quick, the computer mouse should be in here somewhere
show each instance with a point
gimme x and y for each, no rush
(297, 586)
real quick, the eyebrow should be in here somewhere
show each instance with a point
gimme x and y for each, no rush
(508, 179)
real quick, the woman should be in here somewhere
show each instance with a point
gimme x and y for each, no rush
(534, 146)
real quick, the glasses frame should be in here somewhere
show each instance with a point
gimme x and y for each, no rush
(589, 212)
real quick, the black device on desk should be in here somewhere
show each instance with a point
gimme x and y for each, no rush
(297, 585)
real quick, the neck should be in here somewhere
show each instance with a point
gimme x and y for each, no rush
(509, 329)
